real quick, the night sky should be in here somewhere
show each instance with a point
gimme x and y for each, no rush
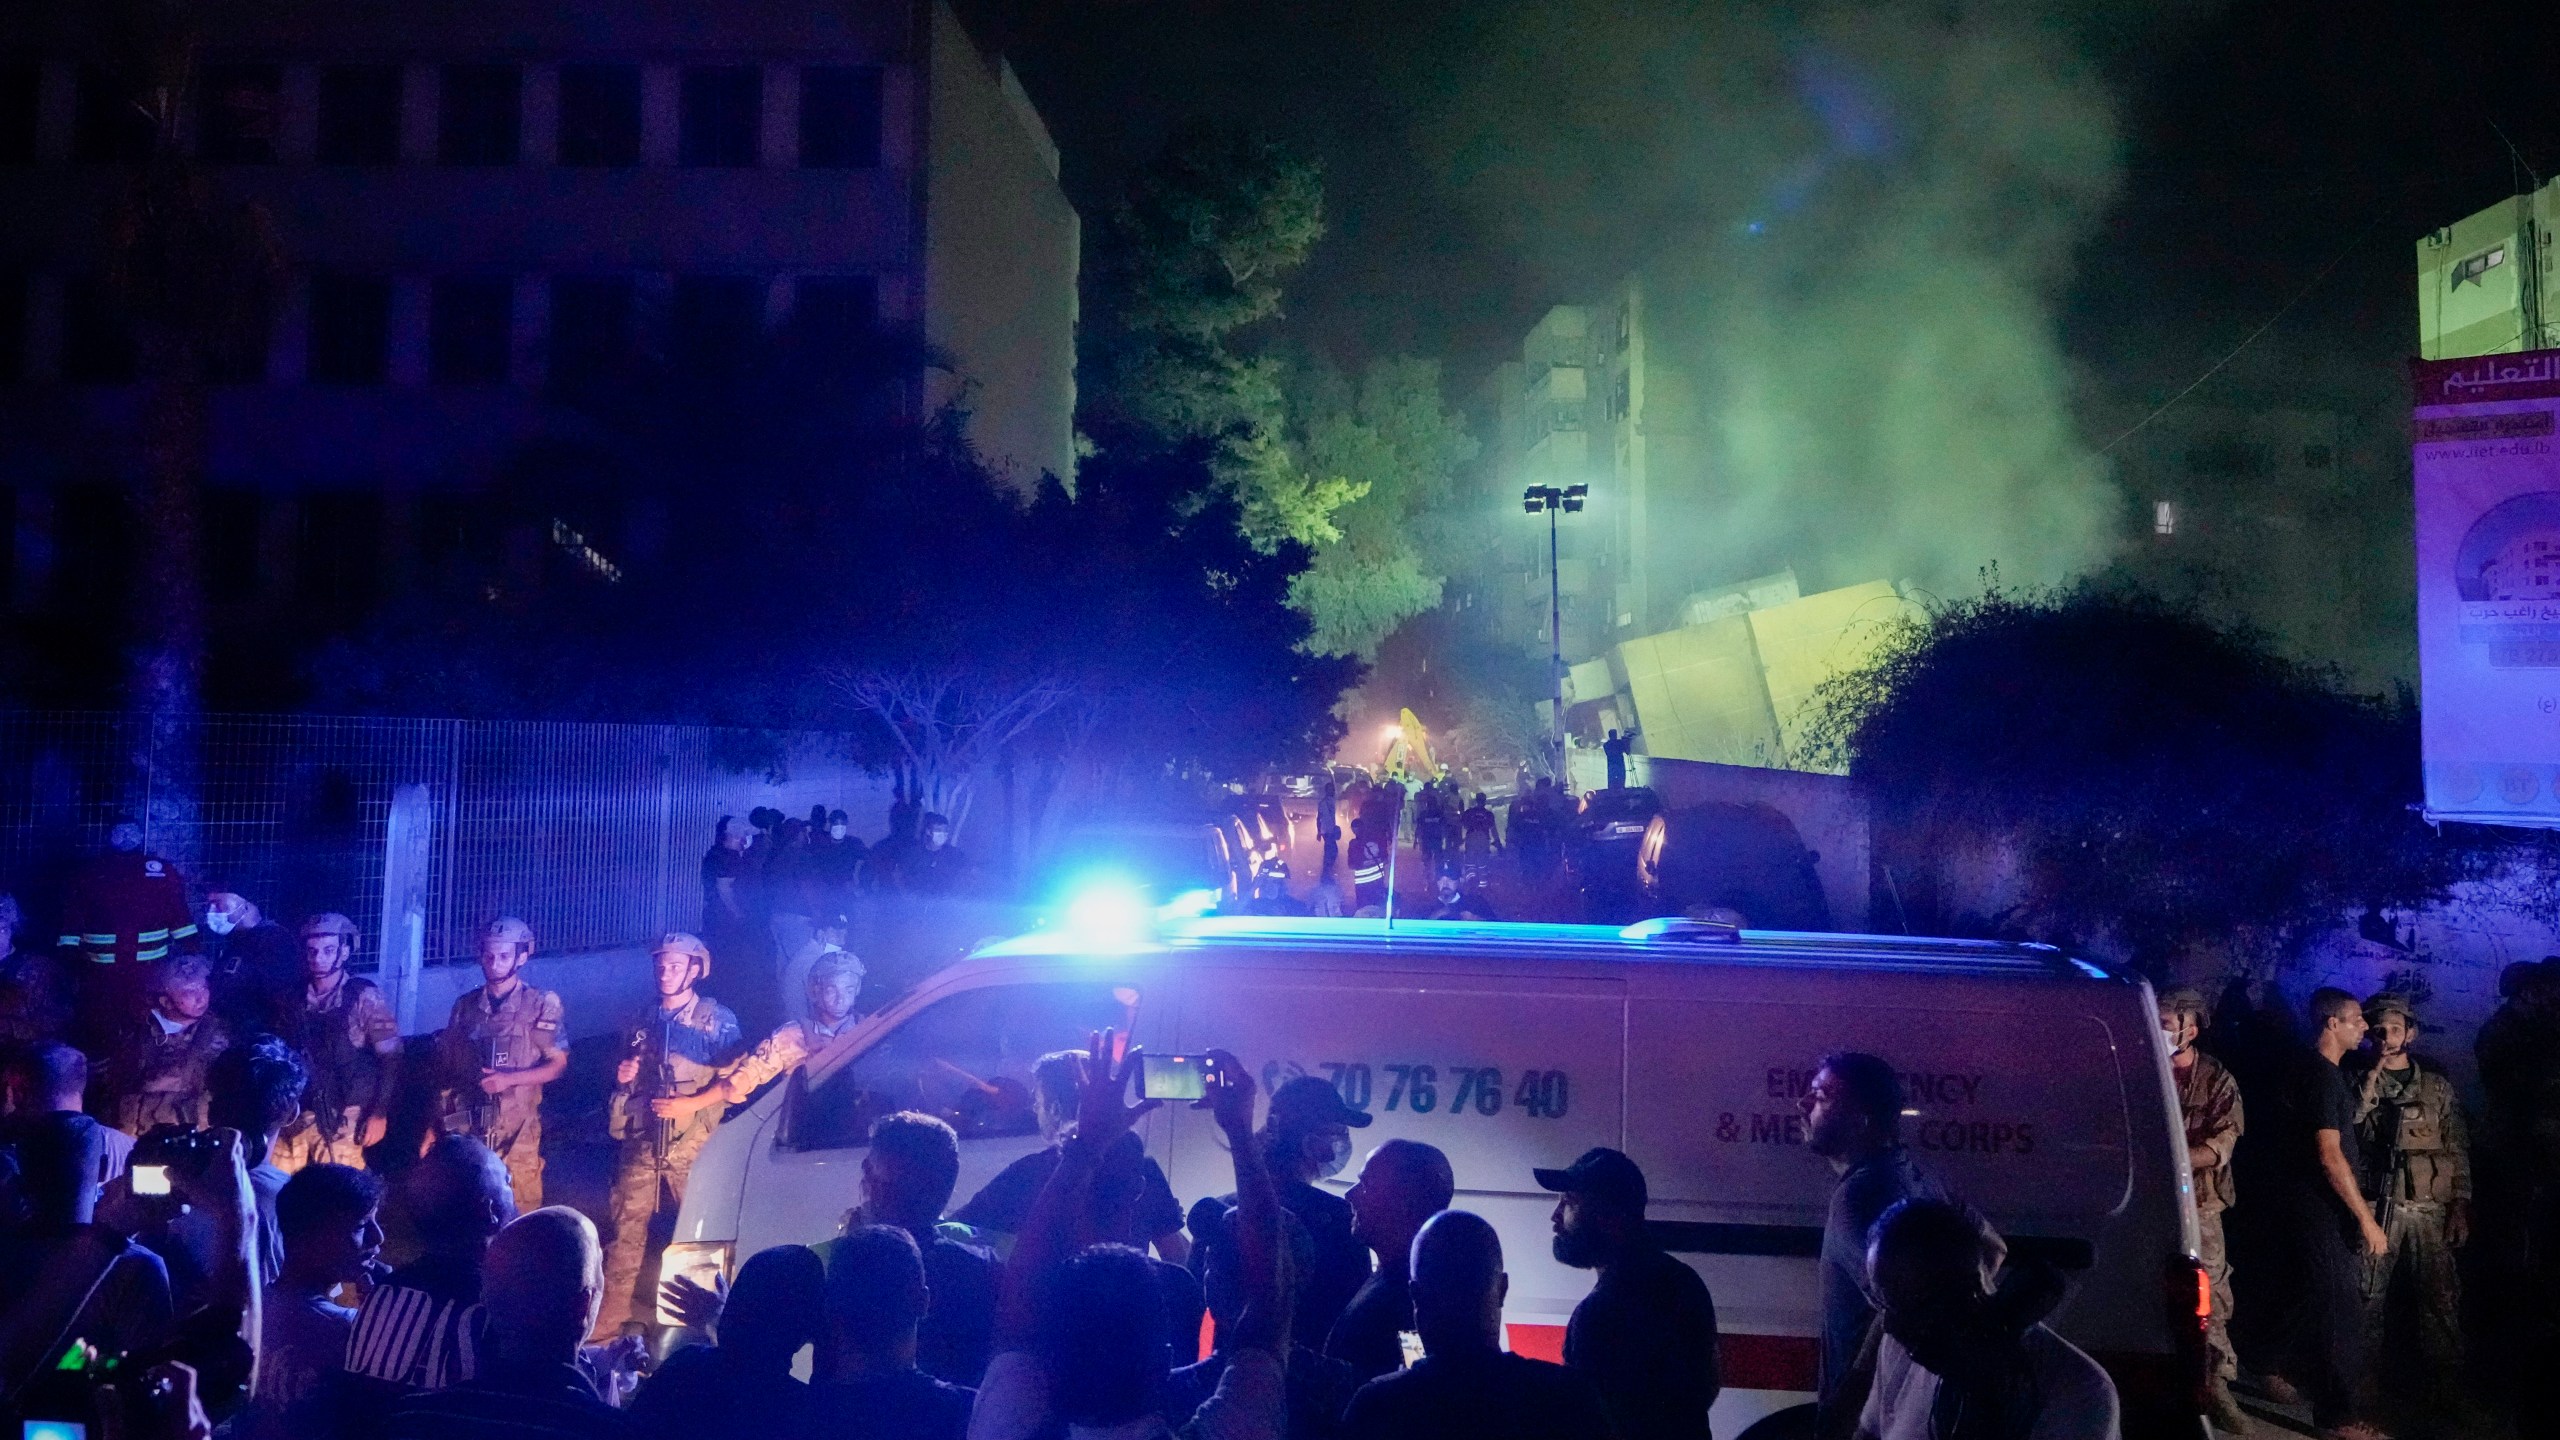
(2261, 141)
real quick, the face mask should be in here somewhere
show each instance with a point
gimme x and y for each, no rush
(1337, 1161)
(218, 921)
(835, 832)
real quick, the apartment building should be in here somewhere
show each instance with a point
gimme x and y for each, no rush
(483, 205)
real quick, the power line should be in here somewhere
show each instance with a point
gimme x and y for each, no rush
(2298, 297)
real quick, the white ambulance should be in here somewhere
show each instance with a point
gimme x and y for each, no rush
(2039, 1091)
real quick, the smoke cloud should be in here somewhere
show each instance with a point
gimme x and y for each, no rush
(1855, 224)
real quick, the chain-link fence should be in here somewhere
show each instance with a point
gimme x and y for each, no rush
(594, 834)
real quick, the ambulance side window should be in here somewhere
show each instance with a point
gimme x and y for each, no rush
(966, 1058)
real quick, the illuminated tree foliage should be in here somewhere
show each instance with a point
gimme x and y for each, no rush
(1194, 254)
(2149, 782)
(1390, 439)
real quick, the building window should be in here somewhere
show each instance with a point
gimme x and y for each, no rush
(1621, 397)
(839, 117)
(590, 329)
(480, 115)
(237, 115)
(714, 323)
(13, 327)
(833, 315)
(350, 329)
(20, 88)
(93, 540)
(231, 541)
(338, 539)
(2469, 272)
(722, 119)
(360, 115)
(2164, 517)
(110, 127)
(599, 114)
(97, 335)
(470, 330)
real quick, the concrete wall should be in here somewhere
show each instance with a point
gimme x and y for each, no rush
(1001, 252)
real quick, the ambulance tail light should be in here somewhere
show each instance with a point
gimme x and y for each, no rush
(704, 1262)
(2189, 1292)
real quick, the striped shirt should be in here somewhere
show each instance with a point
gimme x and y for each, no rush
(420, 1330)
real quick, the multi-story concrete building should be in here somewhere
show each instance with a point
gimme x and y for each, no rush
(2485, 283)
(482, 204)
(1593, 401)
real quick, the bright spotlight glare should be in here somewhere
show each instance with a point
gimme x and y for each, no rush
(1189, 905)
(1109, 912)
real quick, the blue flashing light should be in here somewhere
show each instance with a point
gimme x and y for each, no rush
(1108, 910)
(1189, 905)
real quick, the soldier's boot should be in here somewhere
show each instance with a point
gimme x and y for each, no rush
(2223, 1410)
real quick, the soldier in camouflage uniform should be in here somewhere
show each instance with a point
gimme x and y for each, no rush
(2417, 1174)
(345, 1030)
(835, 979)
(157, 1067)
(664, 1106)
(2210, 1100)
(501, 1046)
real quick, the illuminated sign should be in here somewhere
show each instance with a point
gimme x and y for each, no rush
(2488, 512)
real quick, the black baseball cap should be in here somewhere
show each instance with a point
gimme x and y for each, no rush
(1603, 1174)
(1309, 1102)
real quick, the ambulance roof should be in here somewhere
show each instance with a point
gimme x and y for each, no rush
(1652, 941)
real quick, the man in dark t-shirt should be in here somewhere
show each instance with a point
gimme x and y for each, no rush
(1466, 1386)
(1645, 1337)
(2321, 1220)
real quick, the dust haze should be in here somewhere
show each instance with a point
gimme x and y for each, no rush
(1855, 223)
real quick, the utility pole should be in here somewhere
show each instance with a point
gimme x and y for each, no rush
(1551, 499)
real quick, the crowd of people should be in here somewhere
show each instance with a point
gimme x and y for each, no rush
(2335, 1197)
(212, 1140)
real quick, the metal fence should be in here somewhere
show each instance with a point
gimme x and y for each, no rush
(592, 833)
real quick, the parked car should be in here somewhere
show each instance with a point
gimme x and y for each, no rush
(1746, 858)
(1603, 840)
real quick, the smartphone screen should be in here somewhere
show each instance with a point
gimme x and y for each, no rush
(1175, 1077)
(55, 1430)
(150, 1179)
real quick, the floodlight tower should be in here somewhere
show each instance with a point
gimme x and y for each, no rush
(1551, 498)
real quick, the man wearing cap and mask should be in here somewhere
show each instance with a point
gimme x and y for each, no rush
(1306, 1137)
(2417, 1174)
(122, 912)
(344, 1027)
(674, 1053)
(1645, 1337)
(500, 1046)
(257, 963)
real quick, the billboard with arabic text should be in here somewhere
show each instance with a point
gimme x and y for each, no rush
(2488, 483)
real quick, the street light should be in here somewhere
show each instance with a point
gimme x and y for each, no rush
(1551, 499)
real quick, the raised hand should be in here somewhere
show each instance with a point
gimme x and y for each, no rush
(1102, 1114)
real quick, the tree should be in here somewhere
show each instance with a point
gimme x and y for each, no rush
(842, 566)
(2155, 782)
(1390, 442)
(1195, 253)
(199, 277)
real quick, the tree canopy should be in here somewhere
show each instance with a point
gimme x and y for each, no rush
(2156, 781)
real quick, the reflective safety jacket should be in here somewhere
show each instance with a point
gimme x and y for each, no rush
(126, 909)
